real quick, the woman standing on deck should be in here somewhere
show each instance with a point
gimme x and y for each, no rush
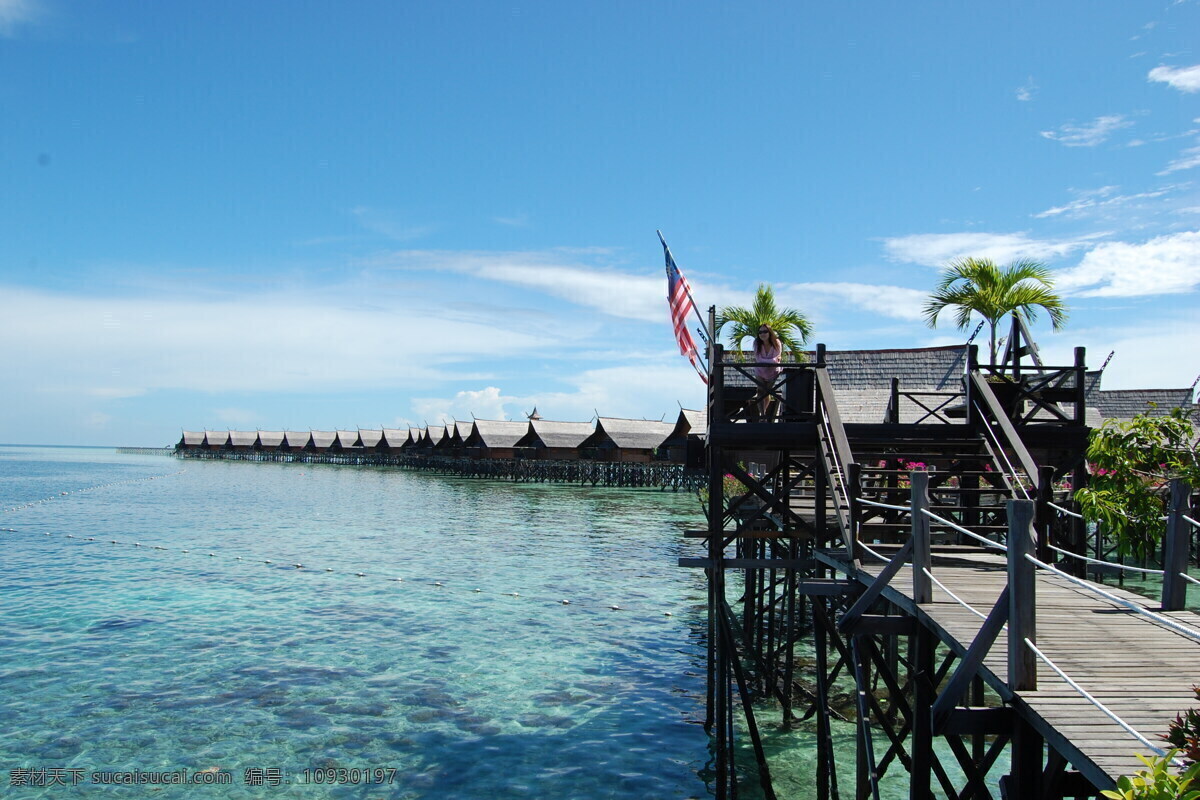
(767, 350)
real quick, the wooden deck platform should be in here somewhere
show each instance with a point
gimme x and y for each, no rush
(1141, 670)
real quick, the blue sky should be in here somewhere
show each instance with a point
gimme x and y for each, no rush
(317, 215)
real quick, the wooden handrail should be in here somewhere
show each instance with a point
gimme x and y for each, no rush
(981, 390)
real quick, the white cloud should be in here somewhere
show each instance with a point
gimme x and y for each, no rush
(935, 249)
(486, 403)
(890, 301)
(1088, 135)
(1188, 159)
(14, 13)
(1146, 356)
(390, 224)
(1166, 264)
(620, 294)
(1104, 203)
(1185, 79)
(113, 348)
(1027, 92)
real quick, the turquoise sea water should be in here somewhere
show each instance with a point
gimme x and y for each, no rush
(116, 657)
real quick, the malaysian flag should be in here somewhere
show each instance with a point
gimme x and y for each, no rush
(679, 297)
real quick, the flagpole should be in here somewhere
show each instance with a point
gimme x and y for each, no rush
(687, 288)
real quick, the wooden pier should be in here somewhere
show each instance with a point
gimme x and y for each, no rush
(931, 560)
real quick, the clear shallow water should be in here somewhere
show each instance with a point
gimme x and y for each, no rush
(116, 657)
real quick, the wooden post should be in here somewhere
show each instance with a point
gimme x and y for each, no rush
(894, 405)
(922, 559)
(1176, 547)
(853, 478)
(716, 386)
(1080, 389)
(1042, 513)
(924, 694)
(820, 355)
(973, 420)
(1022, 597)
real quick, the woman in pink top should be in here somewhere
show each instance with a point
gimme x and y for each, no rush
(767, 348)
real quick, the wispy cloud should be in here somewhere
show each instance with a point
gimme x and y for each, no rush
(113, 348)
(557, 274)
(513, 220)
(14, 13)
(1102, 201)
(1185, 79)
(1028, 91)
(1090, 134)
(1166, 264)
(1188, 159)
(631, 390)
(391, 224)
(895, 302)
(935, 249)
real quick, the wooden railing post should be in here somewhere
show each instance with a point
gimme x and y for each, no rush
(973, 417)
(1022, 597)
(717, 384)
(1080, 388)
(1043, 515)
(894, 403)
(854, 482)
(1176, 547)
(922, 559)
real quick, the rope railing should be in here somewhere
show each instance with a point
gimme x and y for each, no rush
(877, 504)
(1068, 512)
(1107, 563)
(961, 529)
(1184, 630)
(1087, 696)
(931, 577)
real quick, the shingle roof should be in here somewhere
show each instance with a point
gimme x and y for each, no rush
(919, 368)
(270, 438)
(690, 423)
(322, 440)
(369, 438)
(1128, 403)
(434, 434)
(556, 434)
(192, 438)
(498, 433)
(346, 439)
(395, 438)
(297, 440)
(216, 438)
(631, 434)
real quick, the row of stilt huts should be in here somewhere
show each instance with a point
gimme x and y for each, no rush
(608, 450)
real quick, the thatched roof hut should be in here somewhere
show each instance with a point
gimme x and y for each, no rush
(243, 440)
(269, 440)
(191, 440)
(548, 439)
(297, 440)
(369, 439)
(495, 438)
(627, 439)
(216, 439)
(323, 440)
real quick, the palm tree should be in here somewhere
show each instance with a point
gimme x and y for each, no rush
(978, 286)
(792, 327)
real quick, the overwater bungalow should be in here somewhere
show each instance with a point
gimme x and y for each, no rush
(394, 440)
(243, 440)
(626, 440)
(216, 440)
(191, 440)
(296, 441)
(370, 440)
(269, 440)
(345, 441)
(685, 445)
(322, 441)
(495, 438)
(432, 438)
(559, 441)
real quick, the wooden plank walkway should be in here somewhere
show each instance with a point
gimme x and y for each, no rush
(1140, 669)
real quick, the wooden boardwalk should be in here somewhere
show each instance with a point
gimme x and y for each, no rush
(1140, 669)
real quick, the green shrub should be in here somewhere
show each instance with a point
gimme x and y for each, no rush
(1157, 782)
